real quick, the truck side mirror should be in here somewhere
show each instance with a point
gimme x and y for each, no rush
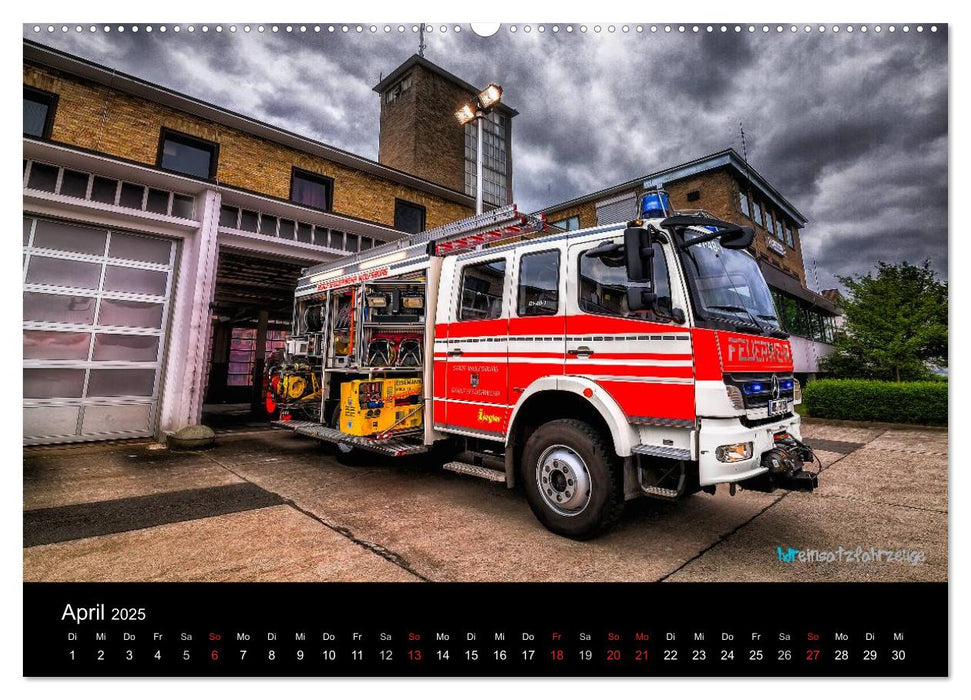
(639, 255)
(639, 261)
(740, 239)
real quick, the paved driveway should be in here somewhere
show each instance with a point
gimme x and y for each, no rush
(272, 506)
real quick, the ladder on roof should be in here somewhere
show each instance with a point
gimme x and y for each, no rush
(464, 234)
(474, 231)
(489, 219)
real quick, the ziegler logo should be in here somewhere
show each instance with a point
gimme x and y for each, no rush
(754, 350)
(487, 418)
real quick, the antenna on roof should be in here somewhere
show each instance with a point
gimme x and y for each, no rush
(748, 175)
(421, 41)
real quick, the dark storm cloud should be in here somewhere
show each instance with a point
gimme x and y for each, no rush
(851, 128)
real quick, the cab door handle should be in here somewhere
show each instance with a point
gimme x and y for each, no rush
(455, 353)
(582, 351)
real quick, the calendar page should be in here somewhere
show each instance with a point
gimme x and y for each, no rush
(544, 349)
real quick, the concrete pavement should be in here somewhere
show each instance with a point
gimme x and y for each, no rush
(318, 520)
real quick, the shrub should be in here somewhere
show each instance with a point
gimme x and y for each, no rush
(871, 400)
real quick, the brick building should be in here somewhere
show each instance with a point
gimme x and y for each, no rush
(163, 237)
(725, 186)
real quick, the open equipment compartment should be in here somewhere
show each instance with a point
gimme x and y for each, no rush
(393, 324)
(364, 342)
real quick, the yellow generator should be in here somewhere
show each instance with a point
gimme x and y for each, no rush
(378, 406)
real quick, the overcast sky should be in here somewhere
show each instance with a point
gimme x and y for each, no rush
(850, 127)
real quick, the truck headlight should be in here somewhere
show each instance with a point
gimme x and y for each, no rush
(735, 396)
(796, 391)
(738, 452)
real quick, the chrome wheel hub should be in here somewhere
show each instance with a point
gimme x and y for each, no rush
(563, 480)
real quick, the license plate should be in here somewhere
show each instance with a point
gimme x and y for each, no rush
(778, 407)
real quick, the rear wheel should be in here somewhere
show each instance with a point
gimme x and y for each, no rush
(573, 479)
(347, 455)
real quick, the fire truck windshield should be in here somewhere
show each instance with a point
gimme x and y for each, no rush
(728, 285)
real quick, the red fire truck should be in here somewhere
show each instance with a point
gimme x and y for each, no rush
(641, 359)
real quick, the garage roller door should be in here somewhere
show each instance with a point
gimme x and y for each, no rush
(95, 310)
(614, 211)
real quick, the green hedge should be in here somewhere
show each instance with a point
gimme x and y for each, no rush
(923, 403)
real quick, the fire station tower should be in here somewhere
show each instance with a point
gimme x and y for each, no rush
(420, 135)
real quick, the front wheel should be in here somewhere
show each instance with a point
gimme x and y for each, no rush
(573, 479)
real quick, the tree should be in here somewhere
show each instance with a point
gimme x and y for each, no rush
(895, 324)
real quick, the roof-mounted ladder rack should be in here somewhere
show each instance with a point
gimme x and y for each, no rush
(499, 224)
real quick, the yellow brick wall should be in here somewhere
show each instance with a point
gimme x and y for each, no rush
(587, 213)
(717, 195)
(100, 119)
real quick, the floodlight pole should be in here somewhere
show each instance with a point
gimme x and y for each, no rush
(484, 102)
(479, 116)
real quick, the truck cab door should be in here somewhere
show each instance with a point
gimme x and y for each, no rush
(641, 359)
(537, 321)
(477, 345)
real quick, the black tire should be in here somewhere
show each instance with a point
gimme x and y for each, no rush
(555, 447)
(348, 455)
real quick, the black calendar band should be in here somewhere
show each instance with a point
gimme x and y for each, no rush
(468, 629)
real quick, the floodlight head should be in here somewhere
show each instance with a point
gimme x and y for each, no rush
(490, 97)
(465, 115)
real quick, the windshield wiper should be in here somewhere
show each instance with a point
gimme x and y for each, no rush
(722, 307)
(742, 310)
(773, 332)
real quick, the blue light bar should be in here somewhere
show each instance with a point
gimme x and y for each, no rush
(753, 388)
(786, 384)
(655, 205)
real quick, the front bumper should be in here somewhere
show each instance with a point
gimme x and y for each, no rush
(726, 431)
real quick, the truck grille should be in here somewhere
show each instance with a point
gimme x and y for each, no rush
(757, 389)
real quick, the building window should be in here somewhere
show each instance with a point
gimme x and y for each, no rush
(304, 231)
(494, 158)
(39, 108)
(402, 85)
(757, 211)
(743, 204)
(778, 230)
(539, 282)
(187, 155)
(569, 224)
(409, 217)
(83, 185)
(800, 319)
(229, 216)
(249, 221)
(694, 196)
(789, 239)
(311, 190)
